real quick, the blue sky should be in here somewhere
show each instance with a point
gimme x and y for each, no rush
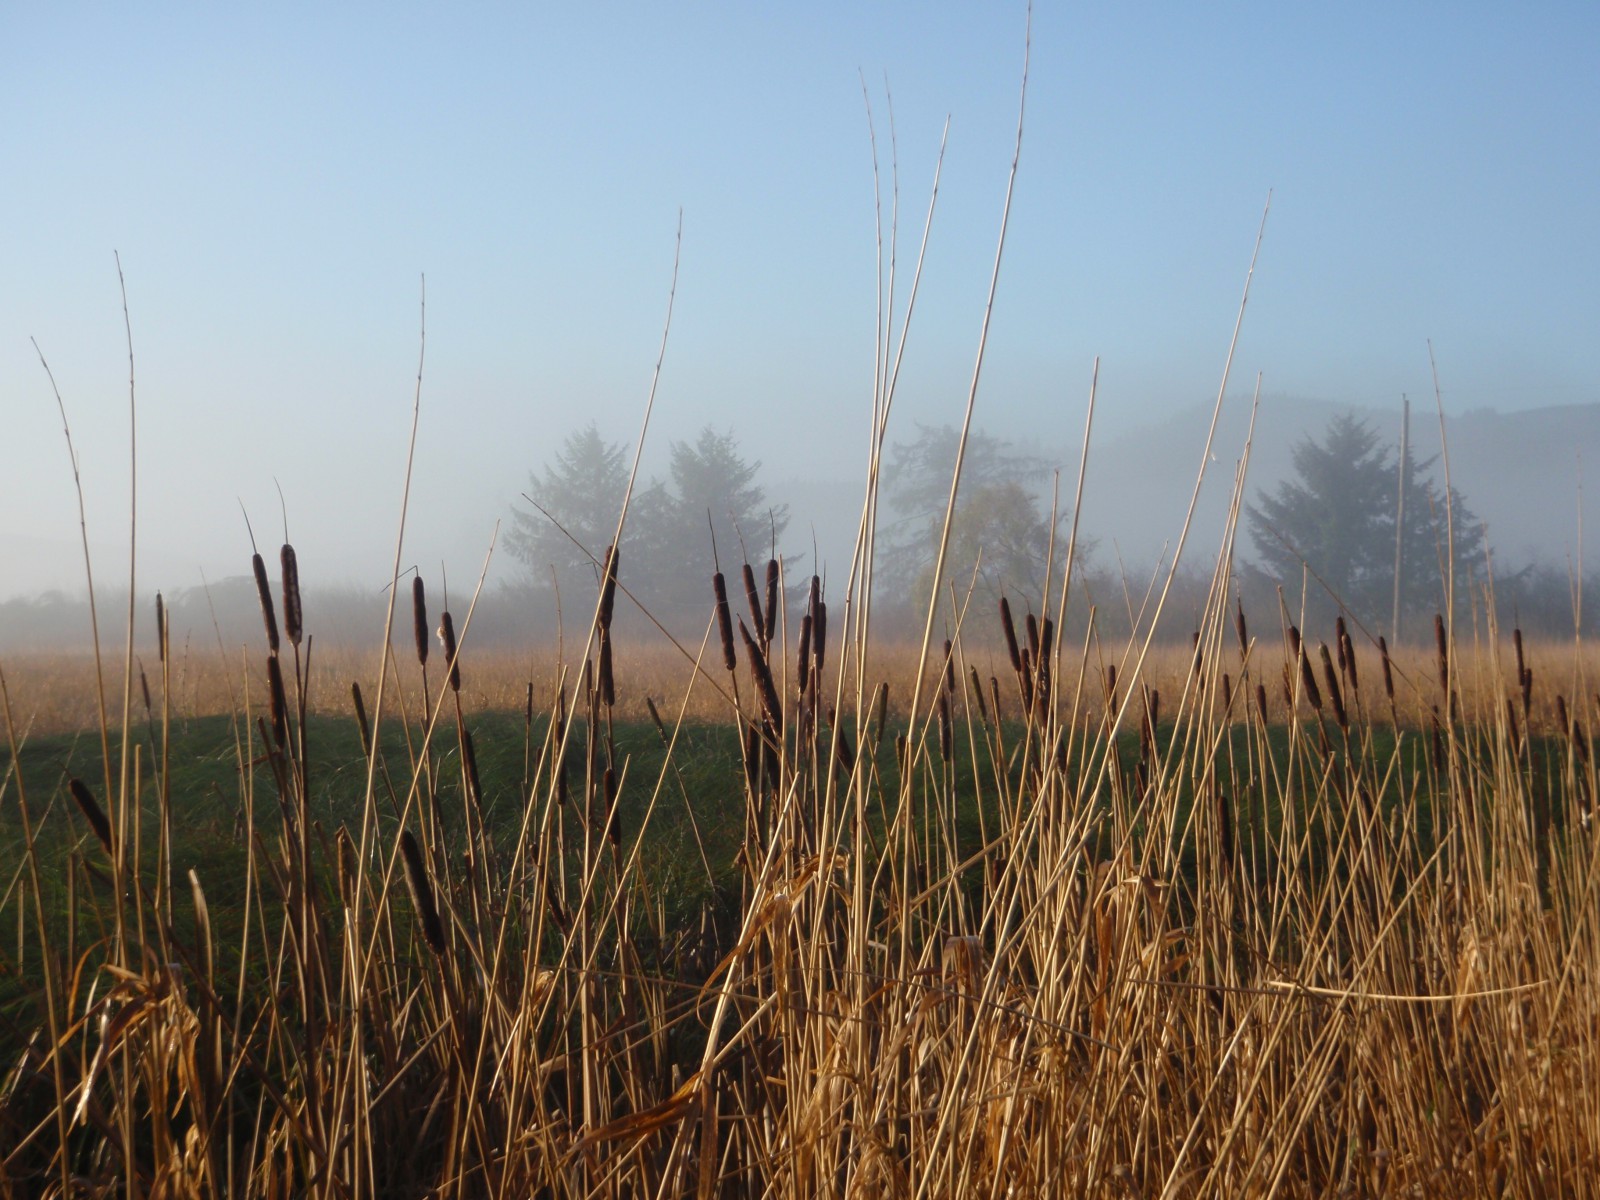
(277, 181)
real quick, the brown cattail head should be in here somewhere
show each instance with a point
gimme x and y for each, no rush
(161, 629)
(1261, 702)
(608, 784)
(946, 729)
(880, 713)
(819, 635)
(1561, 715)
(763, 677)
(1238, 624)
(1527, 691)
(719, 588)
(608, 588)
(753, 599)
(1331, 677)
(1010, 631)
(527, 707)
(1516, 642)
(1347, 655)
(1388, 669)
(92, 813)
(1339, 639)
(144, 688)
(421, 888)
(655, 719)
(1111, 687)
(447, 639)
(469, 761)
(361, 718)
(1032, 623)
(1224, 827)
(291, 593)
(279, 701)
(1443, 644)
(770, 615)
(1227, 692)
(608, 688)
(803, 662)
(419, 618)
(264, 593)
(1308, 681)
(1294, 641)
(1025, 680)
(1438, 742)
(949, 668)
(977, 692)
(1194, 642)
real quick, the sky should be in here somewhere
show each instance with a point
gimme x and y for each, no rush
(279, 180)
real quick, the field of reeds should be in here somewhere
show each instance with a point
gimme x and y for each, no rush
(1015, 912)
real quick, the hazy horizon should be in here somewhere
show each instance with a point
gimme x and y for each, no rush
(277, 186)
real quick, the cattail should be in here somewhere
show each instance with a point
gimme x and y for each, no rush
(846, 755)
(803, 661)
(161, 629)
(1516, 642)
(1238, 624)
(264, 592)
(763, 677)
(291, 594)
(752, 760)
(419, 618)
(1444, 653)
(1388, 671)
(1025, 679)
(560, 746)
(977, 693)
(770, 615)
(1511, 726)
(608, 688)
(447, 639)
(608, 589)
(880, 713)
(1527, 691)
(819, 635)
(361, 718)
(1561, 715)
(655, 718)
(1339, 639)
(422, 892)
(1294, 641)
(753, 599)
(1032, 623)
(719, 587)
(469, 759)
(608, 784)
(946, 729)
(1308, 681)
(1261, 702)
(1347, 651)
(1194, 664)
(92, 812)
(527, 707)
(949, 669)
(1332, 678)
(280, 703)
(994, 696)
(1010, 631)
(1111, 687)
(1438, 743)
(144, 688)
(1227, 693)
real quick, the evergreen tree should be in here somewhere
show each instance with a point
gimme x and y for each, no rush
(579, 492)
(1337, 518)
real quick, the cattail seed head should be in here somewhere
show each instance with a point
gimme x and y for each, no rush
(1388, 669)
(977, 694)
(447, 639)
(92, 812)
(1239, 626)
(946, 729)
(1032, 623)
(949, 669)
(608, 688)
(1331, 677)
(291, 593)
(421, 888)
(161, 629)
(1261, 702)
(880, 713)
(419, 618)
(819, 635)
(608, 588)
(753, 599)
(361, 718)
(279, 701)
(770, 616)
(1010, 631)
(803, 661)
(264, 593)
(719, 588)
(1308, 682)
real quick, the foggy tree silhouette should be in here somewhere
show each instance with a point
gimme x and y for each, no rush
(1338, 519)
